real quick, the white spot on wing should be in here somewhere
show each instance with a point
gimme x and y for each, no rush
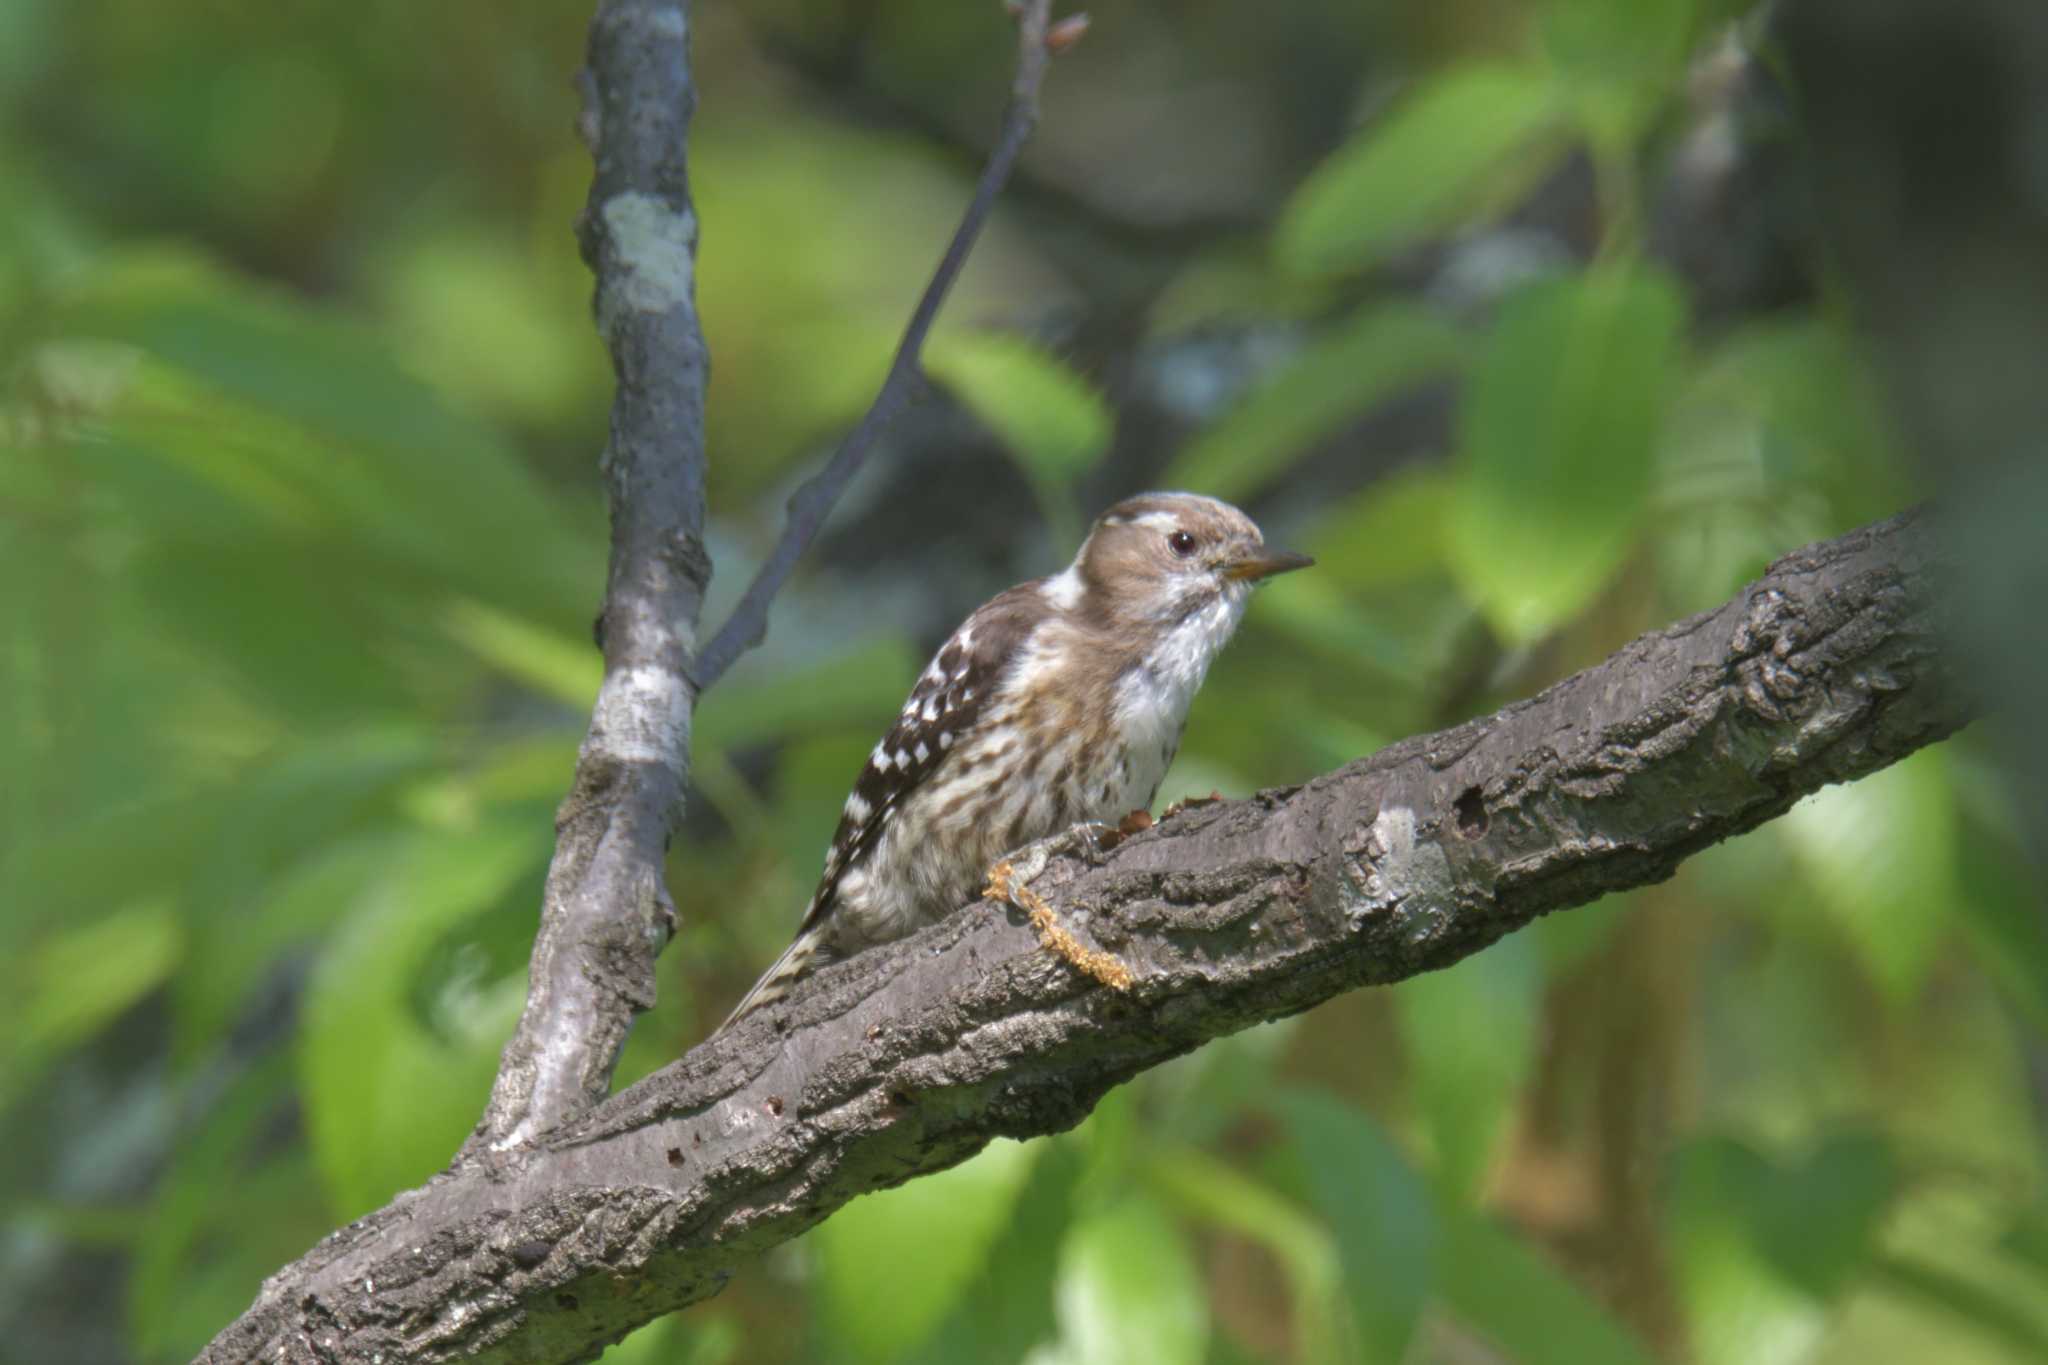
(857, 809)
(945, 740)
(922, 752)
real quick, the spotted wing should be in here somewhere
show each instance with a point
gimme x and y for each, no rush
(944, 707)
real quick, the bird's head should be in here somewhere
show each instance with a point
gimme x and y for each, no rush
(1158, 559)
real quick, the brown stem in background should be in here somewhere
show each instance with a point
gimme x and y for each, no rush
(813, 501)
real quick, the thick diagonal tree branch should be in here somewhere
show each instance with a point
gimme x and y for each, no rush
(605, 913)
(909, 1058)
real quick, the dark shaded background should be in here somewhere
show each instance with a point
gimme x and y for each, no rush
(1539, 324)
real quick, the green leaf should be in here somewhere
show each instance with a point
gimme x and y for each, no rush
(1054, 422)
(1999, 900)
(1762, 1249)
(678, 1339)
(237, 944)
(2027, 1238)
(892, 1264)
(1470, 1034)
(804, 315)
(1775, 438)
(1128, 1290)
(79, 979)
(448, 289)
(232, 1204)
(388, 1097)
(1565, 942)
(1618, 60)
(349, 432)
(1007, 1311)
(1504, 1289)
(2013, 1320)
(1203, 1186)
(1879, 855)
(1387, 1234)
(1318, 617)
(1558, 431)
(1336, 378)
(1392, 533)
(555, 665)
(1465, 143)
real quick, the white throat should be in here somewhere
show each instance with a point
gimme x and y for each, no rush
(1153, 698)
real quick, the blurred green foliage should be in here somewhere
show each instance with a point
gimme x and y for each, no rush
(300, 542)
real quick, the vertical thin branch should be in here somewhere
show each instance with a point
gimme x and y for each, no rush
(606, 913)
(1038, 40)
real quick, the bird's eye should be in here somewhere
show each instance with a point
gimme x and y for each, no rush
(1181, 543)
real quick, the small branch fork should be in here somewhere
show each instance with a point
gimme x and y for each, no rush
(606, 912)
(1038, 40)
(909, 1057)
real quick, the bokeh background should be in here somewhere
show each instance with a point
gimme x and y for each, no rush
(1516, 314)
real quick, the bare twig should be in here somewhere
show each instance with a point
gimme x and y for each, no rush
(605, 913)
(813, 501)
(909, 1057)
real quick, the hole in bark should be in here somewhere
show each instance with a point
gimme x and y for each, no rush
(1470, 811)
(675, 1156)
(530, 1254)
(899, 1098)
(775, 1105)
(567, 1301)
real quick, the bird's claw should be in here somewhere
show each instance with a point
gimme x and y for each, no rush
(1090, 841)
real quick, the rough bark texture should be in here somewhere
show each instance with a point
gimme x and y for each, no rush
(911, 1057)
(606, 912)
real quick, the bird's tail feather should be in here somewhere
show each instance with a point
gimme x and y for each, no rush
(796, 961)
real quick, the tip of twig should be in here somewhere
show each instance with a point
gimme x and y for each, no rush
(1066, 33)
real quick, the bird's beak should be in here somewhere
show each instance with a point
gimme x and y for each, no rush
(1265, 564)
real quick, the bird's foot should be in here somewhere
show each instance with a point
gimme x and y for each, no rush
(1191, 803)
(1009, 881)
